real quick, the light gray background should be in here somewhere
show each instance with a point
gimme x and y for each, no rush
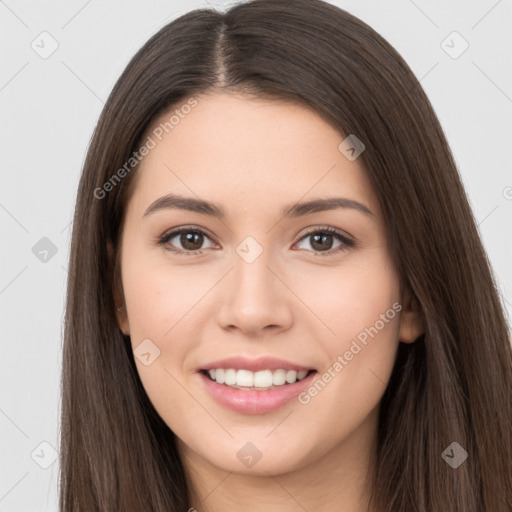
(50, 107)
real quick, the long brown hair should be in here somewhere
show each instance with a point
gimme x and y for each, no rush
(454, 384)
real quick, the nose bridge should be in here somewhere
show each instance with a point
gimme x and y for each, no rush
(256, 298)
(252, 278)
(251, 266)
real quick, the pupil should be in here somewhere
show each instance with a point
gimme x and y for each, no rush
(188, 240)
(323, 238)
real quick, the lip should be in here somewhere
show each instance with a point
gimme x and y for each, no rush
(254, 365)
(254, 402)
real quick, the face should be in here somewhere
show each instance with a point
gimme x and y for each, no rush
(261, 297)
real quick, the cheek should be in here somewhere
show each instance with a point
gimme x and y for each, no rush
(362, 312)
(165, 305)
(357, 328)
(162, 305)
(161, 298)
(352, 297)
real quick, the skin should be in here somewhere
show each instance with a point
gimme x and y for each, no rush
(252, 157)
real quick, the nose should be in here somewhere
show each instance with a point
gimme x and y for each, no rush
(255, 298)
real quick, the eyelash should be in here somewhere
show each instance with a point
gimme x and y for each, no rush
(346, 242)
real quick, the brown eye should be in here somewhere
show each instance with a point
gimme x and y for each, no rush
(322, 241)
(190, 240)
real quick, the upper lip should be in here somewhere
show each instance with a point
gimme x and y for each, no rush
(254, 365)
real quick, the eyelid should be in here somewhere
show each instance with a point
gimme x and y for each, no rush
(347, 241)
(324, 228)
(172, 232)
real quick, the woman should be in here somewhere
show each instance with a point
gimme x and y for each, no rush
(278, 297)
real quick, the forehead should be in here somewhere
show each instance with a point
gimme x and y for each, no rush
(247, 154)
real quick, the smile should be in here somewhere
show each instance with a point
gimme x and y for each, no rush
(255, 381)
(254, 400)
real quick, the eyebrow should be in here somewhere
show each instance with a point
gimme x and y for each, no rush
(175, 201)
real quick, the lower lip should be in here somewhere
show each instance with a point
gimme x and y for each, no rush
(255, 402)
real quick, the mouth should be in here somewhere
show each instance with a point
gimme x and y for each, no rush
(254, 386)
(262, 380)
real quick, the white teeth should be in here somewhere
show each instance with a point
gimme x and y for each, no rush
(244, 378)
(279, 377)
(291, 376)
(263, 379)
(230, 377)
(220, 375)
